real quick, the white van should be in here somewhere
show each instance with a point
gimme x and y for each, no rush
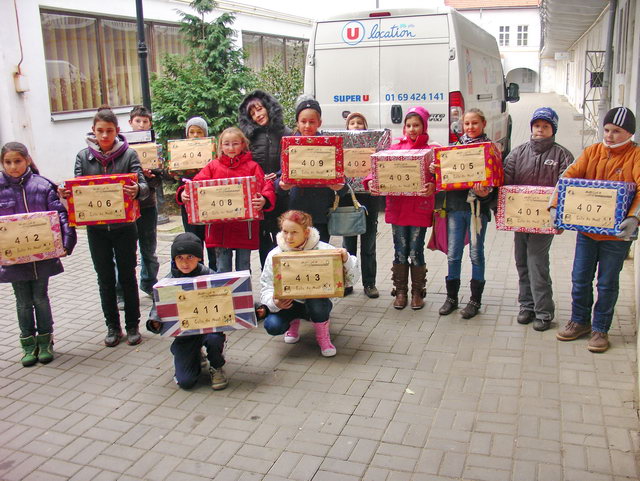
(383, 62)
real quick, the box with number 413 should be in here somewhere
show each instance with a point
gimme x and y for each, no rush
(313, 274)
(221, 200)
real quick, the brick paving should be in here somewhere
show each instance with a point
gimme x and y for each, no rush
(410, 395)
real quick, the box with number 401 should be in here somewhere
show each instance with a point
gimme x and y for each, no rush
(221, 200)
(523, 208)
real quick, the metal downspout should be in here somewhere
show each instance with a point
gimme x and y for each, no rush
(605, 100)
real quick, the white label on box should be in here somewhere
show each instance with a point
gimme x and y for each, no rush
(463, 165)
(221, 202)
(526, 210)
(26, 237)
(357, 161)
(99, 202)
(306, 276)
(190, 153)
(590, 207)
(399, 176)
(203, 308)
(312, 161)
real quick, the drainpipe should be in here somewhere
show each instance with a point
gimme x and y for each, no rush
(605, 100)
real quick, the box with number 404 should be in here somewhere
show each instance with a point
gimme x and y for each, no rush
(205, 304)
(593, 206)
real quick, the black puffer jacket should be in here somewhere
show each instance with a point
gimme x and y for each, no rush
(537, 162)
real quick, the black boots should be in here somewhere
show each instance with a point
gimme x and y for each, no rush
(473, 306)
(451, 303)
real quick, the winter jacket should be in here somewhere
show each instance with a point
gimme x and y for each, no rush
(127, 162)
(33, 193)
(313, 243)
(200, 270)
(600, 162)
(240, 234)
(537, 162)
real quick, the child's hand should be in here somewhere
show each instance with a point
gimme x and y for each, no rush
(148, 174)
(271, 176)
(432, 168)
(64, 193)
(345, 255)
(184, 196)
(336, 187)
(156, 325)
(481, 191)
(131, 190)
(428, 189)
(285, 186)
(258, 202)
(283, 303)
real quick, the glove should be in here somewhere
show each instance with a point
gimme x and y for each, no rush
(552, 215)
(627, 228)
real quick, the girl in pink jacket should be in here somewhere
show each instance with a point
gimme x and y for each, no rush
(409, 217)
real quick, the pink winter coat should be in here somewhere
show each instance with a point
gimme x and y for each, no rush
(242, 234)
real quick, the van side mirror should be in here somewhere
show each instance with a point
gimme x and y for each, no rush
(513, 92)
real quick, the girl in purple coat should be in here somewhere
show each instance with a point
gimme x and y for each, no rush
(22, 190)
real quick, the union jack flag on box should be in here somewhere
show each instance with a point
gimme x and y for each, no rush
(312, 161)
(221, 200)
(201, 305)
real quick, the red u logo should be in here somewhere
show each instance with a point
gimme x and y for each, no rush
(365, 98)
(353, 33)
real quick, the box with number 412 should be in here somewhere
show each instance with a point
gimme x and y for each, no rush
(310, 274)
(460, 167)
(205, 304)
(221, 200)
(30, 237)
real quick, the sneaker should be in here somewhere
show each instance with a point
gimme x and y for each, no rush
(573, 331)
(292, 335)
(133, 336)
(218, 379)
(112, 339)
(599, 341)
(525, 316)
(371, 292)
(348, 290)
(541, 325)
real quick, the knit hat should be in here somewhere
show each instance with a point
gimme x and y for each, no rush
(622, 117)
(198, 122)
(422, 113)
(357, 114)
(187, 243)
(308, 104)
(547, 114)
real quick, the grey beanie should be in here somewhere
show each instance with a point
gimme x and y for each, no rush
(198, 122)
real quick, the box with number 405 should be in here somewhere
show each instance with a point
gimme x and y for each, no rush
(460, 167)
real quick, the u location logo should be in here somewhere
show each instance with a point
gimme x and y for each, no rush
(353, 33)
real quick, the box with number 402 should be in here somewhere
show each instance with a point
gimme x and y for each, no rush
(221, 200)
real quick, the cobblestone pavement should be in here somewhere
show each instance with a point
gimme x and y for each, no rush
(410, 395)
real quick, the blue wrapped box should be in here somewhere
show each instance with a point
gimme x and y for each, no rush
(593, 206)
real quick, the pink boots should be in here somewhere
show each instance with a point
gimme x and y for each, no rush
(324, 339)
(292, 336)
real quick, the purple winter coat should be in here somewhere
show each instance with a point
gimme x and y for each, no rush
(41, 196)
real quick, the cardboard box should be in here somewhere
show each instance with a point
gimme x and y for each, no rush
(205, 304)
(190, 155)
(150, 155)
(358, 146)
(460, 167)
(400, 172)
(30, 237)
(100, 199)
(312, 161)
(221, 200)
(523, 208)
(310, 274)
(593, 206)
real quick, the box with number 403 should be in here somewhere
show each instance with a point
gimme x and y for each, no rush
(400, 172)
(30, 237)
(593, 206)
(221, 200)
(205, 304)
(100, 199)
(310, 274)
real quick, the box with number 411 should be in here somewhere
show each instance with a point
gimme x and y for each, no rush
(205, 304)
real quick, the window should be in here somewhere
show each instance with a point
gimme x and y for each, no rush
(523, 35)
(503, 39)
(92, 61)
(263, 49)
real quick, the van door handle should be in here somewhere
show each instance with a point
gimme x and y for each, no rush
(396, 114)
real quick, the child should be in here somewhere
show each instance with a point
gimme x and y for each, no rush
(315, 200)
(23, 190)
(409, 217)
(108, 152)
(297, 234)
(617, 157)
(235, 161)
(540, 161)
(260, 118)
(368, 263)
(186, 258)
(468, 212)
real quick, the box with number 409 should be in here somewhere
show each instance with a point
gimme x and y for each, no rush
(460, 167)
(312, 161)
(221, 200)
(205, 304)
(593, 206)
(310, 274)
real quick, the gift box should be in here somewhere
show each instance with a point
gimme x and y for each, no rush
(460, 167)
(221, 200)
(30, 237)
(150, 155)
(593, 206)
(100, 199)
(312, 161)
(205, 304)
(190, 155)
(308, 274)
(357, 147)
(523, 208)
(400, 172)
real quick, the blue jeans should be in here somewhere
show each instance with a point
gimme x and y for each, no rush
(32, 296)
(148, 241)
(608, 257)
(316, 310)
(458, 224)
(408, 244)
(186, 356)
(224, 255)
